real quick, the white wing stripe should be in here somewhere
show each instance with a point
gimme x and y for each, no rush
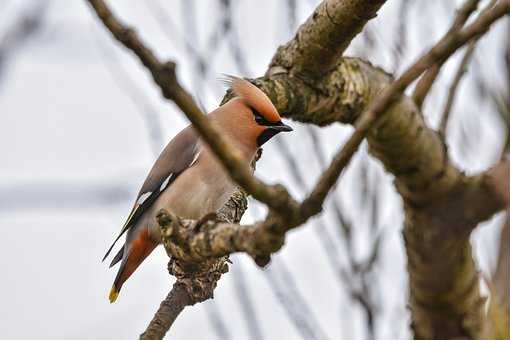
(143, 197)
(194, 159)
(165, 182)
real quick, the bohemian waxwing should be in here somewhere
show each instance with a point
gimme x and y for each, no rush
(188, 180)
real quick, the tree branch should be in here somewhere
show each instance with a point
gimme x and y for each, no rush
(164, 75)
(427, 80)
(323, 38)
(442, 50)
(430, 185)
(498, 178)
(461, 70)
(168, 311)
(498, 319)
(196, 281)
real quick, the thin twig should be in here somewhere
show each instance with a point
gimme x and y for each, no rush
(298, 311)
(264, 238)
(234, 40)
(275, 196)
(425, 83)
(291, 6)
(19, 32)
(441, 51)
(217, 321)
(128, 86)
(293, 304)
(458, 77)
(401, 36)
(345, 224)
(249, 313)
(455, 85)
(164, 20)
(354, 271)
(172, 33)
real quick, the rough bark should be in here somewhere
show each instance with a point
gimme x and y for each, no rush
(436, 194)
(323, 38)
(442, 205)
(196, 280)
(498, 325)
(168, 311)
(428, 79)
(498, 322)
(307, 82)
(164, 75)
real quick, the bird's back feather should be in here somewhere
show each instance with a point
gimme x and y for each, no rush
(177, 156)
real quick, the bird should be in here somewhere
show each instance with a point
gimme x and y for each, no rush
(188, 180)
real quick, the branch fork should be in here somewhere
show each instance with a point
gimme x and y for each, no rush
(199, 250)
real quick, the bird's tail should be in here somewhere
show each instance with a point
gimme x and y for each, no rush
(134, 254)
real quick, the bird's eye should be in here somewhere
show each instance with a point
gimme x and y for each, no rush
(259, 118)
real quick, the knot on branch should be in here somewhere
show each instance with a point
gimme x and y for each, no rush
(198, 279)
(126, 34)
(178, 234)
(208, 242)
(169, 68)
(268, 238)
(165, 76)
(235, 207)
(197, 276)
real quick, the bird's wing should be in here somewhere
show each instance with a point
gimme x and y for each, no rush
(180, 154)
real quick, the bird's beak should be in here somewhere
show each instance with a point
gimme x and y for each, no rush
(280, 127)
(271, 131)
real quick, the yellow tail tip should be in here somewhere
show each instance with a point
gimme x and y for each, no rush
(114, 293)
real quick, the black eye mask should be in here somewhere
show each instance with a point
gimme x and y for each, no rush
(260, 119)
(272, 128)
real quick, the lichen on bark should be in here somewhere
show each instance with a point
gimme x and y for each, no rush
(325, 35)
(442, 204)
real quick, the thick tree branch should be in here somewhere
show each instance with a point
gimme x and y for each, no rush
(194, 243)
(499, 179)
(442, 205)
(442, 50)
(323, 38)
(435, 193)
(168, 311)
(196, 281)
(498, 323)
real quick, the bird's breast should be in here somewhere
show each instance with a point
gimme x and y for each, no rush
(197, 191)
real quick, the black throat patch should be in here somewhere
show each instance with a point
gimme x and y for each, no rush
(266, 135)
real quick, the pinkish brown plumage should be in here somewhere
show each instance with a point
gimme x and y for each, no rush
(188, 180)
(254, 98)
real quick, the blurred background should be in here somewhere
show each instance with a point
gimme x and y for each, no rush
(82, 123)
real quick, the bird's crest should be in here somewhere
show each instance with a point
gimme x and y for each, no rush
(253, 97)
